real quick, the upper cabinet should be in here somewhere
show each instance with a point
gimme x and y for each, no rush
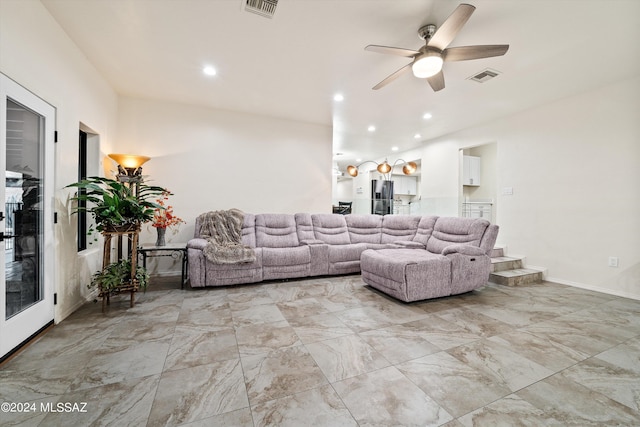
(470, 170)
(406, 185)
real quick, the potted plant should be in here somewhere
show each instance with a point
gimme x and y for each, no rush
(117, 276)
(117, 208)
(115, 205)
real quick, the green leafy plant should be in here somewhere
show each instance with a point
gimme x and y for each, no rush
(113, 203)
(118, 275)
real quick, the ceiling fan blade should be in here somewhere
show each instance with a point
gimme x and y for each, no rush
(391, 50)
(436, 82)
(393, 76)
(465, 53)
(451, 26)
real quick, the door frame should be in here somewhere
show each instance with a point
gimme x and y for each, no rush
(20, 328)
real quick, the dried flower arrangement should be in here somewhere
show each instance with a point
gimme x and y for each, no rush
(163, 217)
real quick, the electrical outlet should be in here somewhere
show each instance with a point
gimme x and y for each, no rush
(613, 261)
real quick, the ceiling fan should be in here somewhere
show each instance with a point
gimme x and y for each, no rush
(427, 61)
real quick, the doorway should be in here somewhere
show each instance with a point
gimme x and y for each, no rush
(27, 128)
(478, 181)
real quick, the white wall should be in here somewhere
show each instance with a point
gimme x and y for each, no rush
(214, 159)
(440, 182)
(37, 54)
(573, 166)
(343, 191)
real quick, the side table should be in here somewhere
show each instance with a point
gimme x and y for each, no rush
(173, 250)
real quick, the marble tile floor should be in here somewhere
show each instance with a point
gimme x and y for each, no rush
(332, 352)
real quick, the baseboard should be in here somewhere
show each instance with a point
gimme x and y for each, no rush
(542, 270)
(91, 297)
(594, 288)
(167, 273)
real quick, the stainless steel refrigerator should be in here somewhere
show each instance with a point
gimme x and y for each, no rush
(381, 197)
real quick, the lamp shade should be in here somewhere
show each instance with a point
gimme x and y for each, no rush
(384, 167)
(129, 161)
(428, 64)
(409, 168)
(352, 170)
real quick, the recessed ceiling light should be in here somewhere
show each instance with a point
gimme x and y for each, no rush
(338, 97)
(394, 148)
(358, 160)
(209, 70)
(371, 128)
(417, 136)
(427, 116)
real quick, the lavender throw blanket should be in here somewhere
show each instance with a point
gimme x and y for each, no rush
(223, 232)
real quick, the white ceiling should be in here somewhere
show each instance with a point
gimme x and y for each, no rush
(292, 65)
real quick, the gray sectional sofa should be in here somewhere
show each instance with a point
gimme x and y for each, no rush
(407, 257)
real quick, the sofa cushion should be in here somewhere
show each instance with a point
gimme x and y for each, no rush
(304, 227)
(399, 227)
(230, 274)
(276, 231)
(489, 239)
(330, 228)
(364, 228)
(299, 255)
(425, 229)
(407, 274)
(409, 245)
(249, 230)
(343, 259)
(283, 263)
(351, 252)
(448, 231)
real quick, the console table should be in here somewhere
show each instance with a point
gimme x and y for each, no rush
(173, 250)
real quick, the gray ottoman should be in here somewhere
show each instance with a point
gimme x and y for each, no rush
(407, 274)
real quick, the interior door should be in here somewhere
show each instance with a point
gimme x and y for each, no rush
(27, 126)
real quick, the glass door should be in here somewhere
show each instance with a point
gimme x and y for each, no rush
(26, 220)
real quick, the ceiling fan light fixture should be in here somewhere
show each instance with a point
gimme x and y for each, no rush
(209, 70)
(428, 64)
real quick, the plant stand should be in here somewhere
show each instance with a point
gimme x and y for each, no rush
(130, 234)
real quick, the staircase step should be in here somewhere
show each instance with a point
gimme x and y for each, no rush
(504, 263)
(516, 277)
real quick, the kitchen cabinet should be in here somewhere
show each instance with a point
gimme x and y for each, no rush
(407, 185)
(471, 170)
(477, 209)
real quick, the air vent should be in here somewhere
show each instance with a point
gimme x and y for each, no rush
(485, 75)
(264, 8)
